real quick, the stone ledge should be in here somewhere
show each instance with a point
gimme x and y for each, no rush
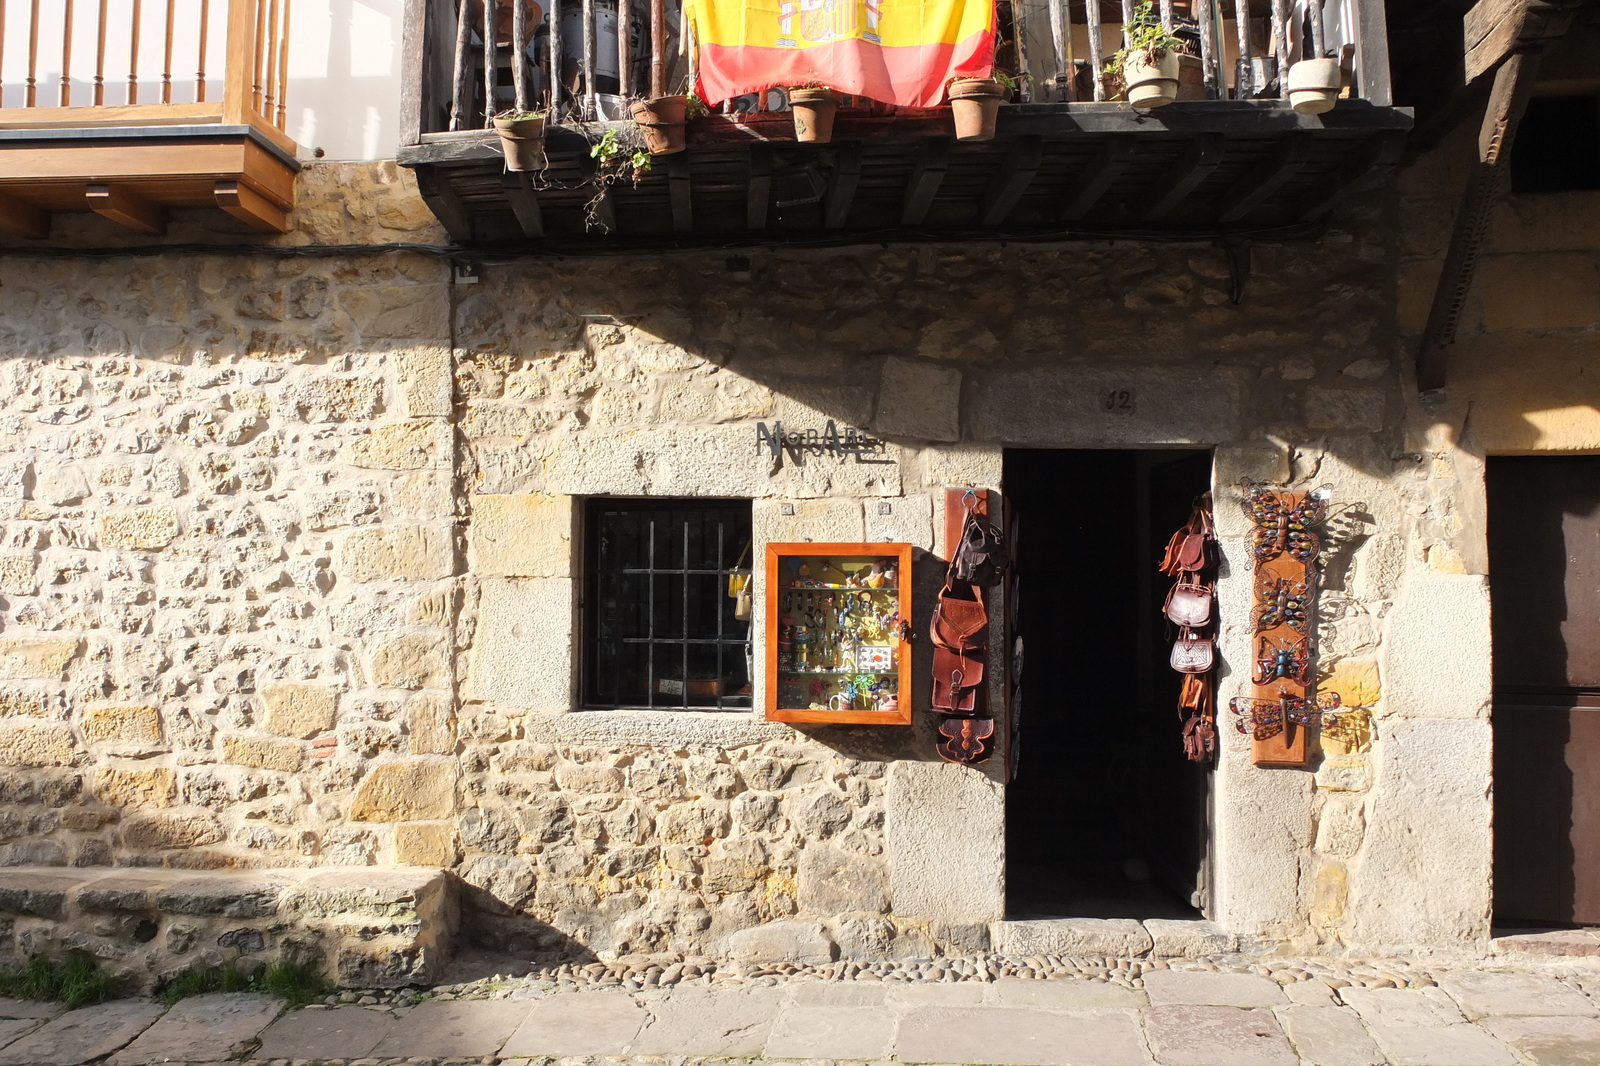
(1122, 937)
(365, 927)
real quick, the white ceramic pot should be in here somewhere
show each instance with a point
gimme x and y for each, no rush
(1150, 84)
(1314, 85)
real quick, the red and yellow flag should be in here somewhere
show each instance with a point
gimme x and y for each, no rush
(900, 52)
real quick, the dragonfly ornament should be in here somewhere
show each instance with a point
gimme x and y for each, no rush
(1263, 719)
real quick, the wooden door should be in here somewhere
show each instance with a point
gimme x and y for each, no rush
(1544, 558)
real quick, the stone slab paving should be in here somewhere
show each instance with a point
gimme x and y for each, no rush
(80, 1035)
(1019, 1037)
(452, 1030)
(1063, 995)
(1403, 1006)
(27, 1008)
(1166, 987)
(831, 1033)
(1205, 1035)
(330, 1033)
(1329, 1036)
(1441, 1045)
(1558, 1041)
(602, 1023)
(13, 1029)
(1483, 993)
(702, 1022)
(216, 1025)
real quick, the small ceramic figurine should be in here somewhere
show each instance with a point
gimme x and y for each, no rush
(877, 579)
(891, 576)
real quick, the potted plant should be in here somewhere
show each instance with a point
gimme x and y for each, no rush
(664, 120)
(974, 104)
(614, 162)
(1314, 85)
(813, 107)
(1148, 64)
(521, 138)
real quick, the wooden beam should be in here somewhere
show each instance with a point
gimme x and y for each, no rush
(758, 195)
(249, 206)
(125, 207)
(1513, 84)
(1283, 163)
(678, 184)
(414, 80)
(23, 219)
(1493, 29)
(518, 185)
(1373, 77)
(445, 203)
(1203, 156)
(1011, 180)
(1381, 152)
(842, 188)
(925, 180)
(1112, 158)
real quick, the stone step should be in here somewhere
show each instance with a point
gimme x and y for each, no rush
(363, 927)
(1121, 937)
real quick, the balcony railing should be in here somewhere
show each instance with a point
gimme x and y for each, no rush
(582, 59)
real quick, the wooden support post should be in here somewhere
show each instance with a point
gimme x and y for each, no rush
(415, 81)
(1102, 172)
(1096, 48)
(518, 186)
(1202, 157)
(925, 181)
(1493, 29)
(1241, 25)
(1011, 180)
(126, 207)
(842, 189)
(1513, 84)
(23, 219)
(445, 203)
(250, 207)
(1283, 163)
(678, 184)
(658, 48)
(758, 194)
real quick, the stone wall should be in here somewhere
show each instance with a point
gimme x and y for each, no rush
(288, 562)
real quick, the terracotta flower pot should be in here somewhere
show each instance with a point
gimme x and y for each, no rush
(974, 103)
(664, 122)
(522, 140)
(1151, 84)
(813, 114)
(1314, 85)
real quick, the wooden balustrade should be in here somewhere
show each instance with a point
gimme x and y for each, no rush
(157, 87)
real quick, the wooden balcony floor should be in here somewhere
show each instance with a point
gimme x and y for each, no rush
(1081, 169)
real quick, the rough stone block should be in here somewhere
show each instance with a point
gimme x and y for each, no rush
(426, 844)
(1068, 405)
(1346, 408)
(406, 790)
(358, 896)
(1171, 938)
(404, 553)
(36, 658)
(1071, 936)
(413, 661)
(337, 399)
(1355, 680)
(1213, 1036)
(833, 881)
(792, 941)
(935, 810)
(921, 401)
(909, 521)
(820, 520)
(1483, 993)
(139, 528)
(217, 1026)
(134, 726)
(404, 446)
(36, 745)
(122, 892)
(521, 535)
(225, 895)
(19, 573)
(426, 387)
(1444, 674)
(513, 616)
(37, 893)
(299, 711)
(129, 788)
(430, 725)
(264, 753)
(1542, 291)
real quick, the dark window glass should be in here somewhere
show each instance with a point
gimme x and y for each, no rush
(659, 625)
(1557, 147)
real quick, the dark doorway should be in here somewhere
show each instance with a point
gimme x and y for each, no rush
(1105, 817)
(1544, 562)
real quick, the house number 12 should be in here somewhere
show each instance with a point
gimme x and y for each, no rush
(1118, 401)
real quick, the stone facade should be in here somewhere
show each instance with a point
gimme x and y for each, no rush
(289, 565)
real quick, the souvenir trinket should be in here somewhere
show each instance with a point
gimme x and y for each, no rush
(1263, 719)
(1277, 661)
(1280, 602)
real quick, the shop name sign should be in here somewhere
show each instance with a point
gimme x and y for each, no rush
(847, 442)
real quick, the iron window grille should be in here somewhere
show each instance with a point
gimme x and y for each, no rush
(659, 625)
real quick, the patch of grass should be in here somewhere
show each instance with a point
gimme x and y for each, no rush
(291, 981)
(74, 980)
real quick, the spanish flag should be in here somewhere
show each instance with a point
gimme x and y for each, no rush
(901, 52)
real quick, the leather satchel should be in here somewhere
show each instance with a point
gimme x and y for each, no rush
(1189, 604)
(1192, 654)
(956, 681)
(1199, 738)
(982, 557)
(959, 623)
(966, 740)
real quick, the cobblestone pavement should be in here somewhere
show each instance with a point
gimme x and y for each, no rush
(1072, 1012)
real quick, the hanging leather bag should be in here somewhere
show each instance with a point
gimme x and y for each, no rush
(1192, 654)
(981, 558)
(1189, 603)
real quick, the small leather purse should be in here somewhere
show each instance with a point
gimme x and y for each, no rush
(1192, 654)
(1189, 604)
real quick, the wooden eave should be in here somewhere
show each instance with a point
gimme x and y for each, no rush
(1079, 169)
(135, 173)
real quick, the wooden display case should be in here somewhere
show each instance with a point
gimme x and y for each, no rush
(837, 633)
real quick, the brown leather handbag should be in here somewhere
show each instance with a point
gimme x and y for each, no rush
(1189, 604)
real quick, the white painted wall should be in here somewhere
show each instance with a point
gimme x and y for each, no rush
(344, 64)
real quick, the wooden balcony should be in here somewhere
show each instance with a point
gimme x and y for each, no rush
(1230, 156)
(136, 138)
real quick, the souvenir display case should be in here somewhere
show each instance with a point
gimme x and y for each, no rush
(838, 634)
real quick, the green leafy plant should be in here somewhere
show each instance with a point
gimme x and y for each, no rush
(614, 162)
(513, 115)
(75, 980)
(1146, 37)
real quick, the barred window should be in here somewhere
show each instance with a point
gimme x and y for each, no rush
(660, 620)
